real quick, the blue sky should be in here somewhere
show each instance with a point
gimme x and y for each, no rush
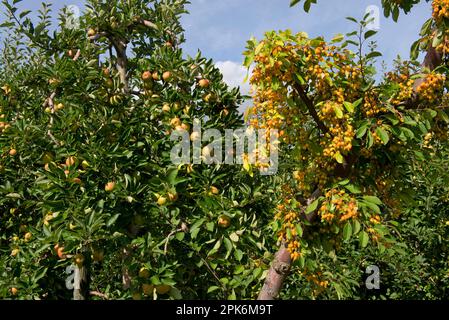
(220, 28)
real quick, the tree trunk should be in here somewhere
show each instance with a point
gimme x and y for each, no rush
(80, 283)
(276, 275)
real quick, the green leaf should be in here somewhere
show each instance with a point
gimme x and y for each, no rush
(349, 106)
(356, 227)
(347, 231)
(383, 135)
(338, 156)
(112, 220)
(294, 2)
(312, 207)
(299, 230)
(373, 199)
(373, 54)
(369, 34)
(363, 239)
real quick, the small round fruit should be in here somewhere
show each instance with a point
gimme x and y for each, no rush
(163, 289)
(79, 259)
(144, 273)
(224, 221)
(206, 151)
(166, 75)
(61, 253)
(214, 190)
(15, 252)
(12, 152)
(110, 186)
(91, 32)
(137, 296)
(85, 164)
(161, 201)
(59, 106)
(175, 122)
(147, 76)
(147, 289)
(204, 83)
(172, 196)
(14, 291)
(70, 161)
(166, 108)
(195, 136)
(28, 236)
(155, 76)
(106, 72)
(76, 180)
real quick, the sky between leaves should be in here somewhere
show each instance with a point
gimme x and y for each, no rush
(220, 28)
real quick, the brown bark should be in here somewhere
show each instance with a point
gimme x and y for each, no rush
(279, 269)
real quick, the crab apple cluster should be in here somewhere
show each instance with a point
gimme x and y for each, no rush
(288, 214)
(372, 105)
(315, 278)
(401, 76)
(338, 206)
(431, 89)
(440, 10)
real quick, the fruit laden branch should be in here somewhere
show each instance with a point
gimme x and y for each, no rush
(340, 129)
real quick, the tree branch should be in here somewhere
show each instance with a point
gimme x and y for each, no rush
(310, 107)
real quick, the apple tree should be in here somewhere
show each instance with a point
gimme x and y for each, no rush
(87, 185)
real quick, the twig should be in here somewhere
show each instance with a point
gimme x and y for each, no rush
(99, 294)
(310, 107)
(168, 239)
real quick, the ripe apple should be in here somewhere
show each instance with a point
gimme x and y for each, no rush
(15, 252)
(166, 75)
(206, 151)
(70, 161)
(172, 196)
(195, 136)
(91, 32)
(175, 122)
(163, 289)
(60, 252)
(214, 190)
(155, 76)
(14, 291)
(161, 200)
(28, 236)
(204, 83)
(79, 259)
(144, 273)
(146, 76)
(110, 186)
(224, 221)
(147, 289)
(137, 296)
(12, 152)
(166, 107)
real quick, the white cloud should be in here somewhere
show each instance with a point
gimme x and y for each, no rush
(234, 74)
